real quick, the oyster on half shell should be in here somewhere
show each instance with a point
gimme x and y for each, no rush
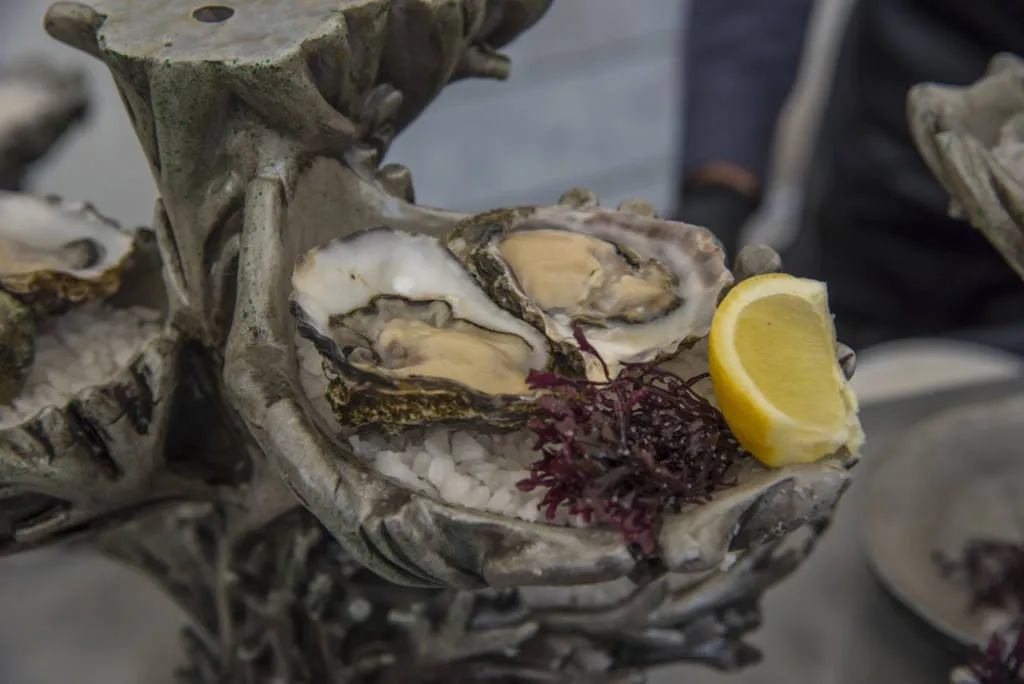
(639, 288)
(54, 255)
(409, 337)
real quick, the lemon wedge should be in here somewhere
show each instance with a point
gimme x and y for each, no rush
(774, 371)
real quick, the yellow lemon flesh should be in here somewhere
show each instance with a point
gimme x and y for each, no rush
(774, 371)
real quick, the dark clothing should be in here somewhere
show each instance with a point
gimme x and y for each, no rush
(741, 59)
(875, 223)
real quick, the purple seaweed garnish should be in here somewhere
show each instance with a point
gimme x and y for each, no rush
(629, 448)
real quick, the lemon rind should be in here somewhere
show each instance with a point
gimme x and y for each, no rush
(792, 440)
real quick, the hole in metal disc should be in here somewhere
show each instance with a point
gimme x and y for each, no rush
(213, 14)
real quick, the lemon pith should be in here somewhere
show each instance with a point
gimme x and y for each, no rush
(774, 371)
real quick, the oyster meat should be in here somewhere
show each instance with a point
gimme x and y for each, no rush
(639, 288)
(53, 255)
(409, 337)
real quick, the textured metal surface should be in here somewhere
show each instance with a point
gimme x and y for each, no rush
(972, 139)
(289, 604)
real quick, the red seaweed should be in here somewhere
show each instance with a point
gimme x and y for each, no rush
(994, 573)
(627, 449)
(1002, 661)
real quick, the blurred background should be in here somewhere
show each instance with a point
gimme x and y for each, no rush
(593, 100)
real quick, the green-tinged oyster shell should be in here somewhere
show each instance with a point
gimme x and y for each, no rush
(390, 409)
(17, 346)
(639, 288)
(408, 336)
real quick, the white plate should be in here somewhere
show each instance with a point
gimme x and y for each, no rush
(958, 476)
(917, 366)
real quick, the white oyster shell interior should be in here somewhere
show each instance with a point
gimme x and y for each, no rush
(400, 305)
(40, 235)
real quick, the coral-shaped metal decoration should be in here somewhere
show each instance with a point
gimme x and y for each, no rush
(213, 446)
(972, 139)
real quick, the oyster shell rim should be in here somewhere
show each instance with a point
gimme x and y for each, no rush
(49, 291)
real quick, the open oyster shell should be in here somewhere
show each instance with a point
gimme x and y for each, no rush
(638, 287)
(410, 336)
(54, 255)
(83, 438)
(410, 537)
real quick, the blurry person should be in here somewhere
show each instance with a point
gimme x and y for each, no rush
(874, 222)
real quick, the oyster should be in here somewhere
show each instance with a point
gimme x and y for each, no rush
(409, 335)
(54, 255)
(639, 288)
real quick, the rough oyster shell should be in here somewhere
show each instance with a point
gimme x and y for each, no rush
(638, 287)
(54, 255)
(410, 336)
